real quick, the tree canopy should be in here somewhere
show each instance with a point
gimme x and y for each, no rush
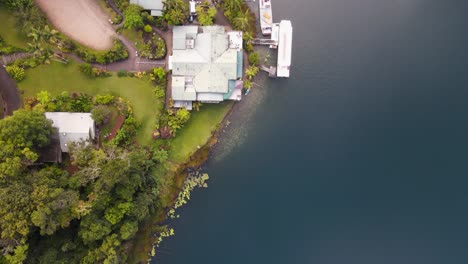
(133, 18)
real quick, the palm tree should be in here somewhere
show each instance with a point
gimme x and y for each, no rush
(242, 20)
(232, 5)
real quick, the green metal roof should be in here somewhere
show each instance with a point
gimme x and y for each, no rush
(210, 62)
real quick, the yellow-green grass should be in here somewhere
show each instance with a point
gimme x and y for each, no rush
(9, 29)
(197, 131)
(109, 11)
(57, 77)
(135, 36)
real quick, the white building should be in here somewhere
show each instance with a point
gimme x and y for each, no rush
(154, 6)
(72, 127)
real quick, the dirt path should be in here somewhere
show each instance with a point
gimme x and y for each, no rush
(82, 20)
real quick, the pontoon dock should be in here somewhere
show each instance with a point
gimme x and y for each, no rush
(284, 48)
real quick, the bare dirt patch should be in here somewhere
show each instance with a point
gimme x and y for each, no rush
(82, 20)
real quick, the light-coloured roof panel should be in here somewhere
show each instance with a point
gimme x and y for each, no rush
(149, 4)
(210, 97)
(72, 127)
(211, 79)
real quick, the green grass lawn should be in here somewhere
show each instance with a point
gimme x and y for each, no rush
(197, 131)
(135, 37)
(9, 29)
(57, 77)
(109, 11)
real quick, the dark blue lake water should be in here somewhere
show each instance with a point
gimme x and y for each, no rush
(360, 157)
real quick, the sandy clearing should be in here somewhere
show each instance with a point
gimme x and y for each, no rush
(82, 20)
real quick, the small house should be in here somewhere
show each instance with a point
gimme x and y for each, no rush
(72, 127)
(154, 6)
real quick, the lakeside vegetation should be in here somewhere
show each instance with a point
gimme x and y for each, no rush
(105, 194)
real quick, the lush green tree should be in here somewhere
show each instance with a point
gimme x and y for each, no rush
(160, 73)
(54, 206)
(242, 20)
(251, 71)
(20, 134)
(254, 58)
(205, 14)
(177, 120)
(133, 18)
(175, 11)
(128, 229)
(100, 114)
(160, 155)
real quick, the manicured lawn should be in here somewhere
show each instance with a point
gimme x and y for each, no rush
(197, 131)
(9, 29)
(134, 36)
(58, 77)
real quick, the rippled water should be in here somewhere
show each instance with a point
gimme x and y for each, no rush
(360, 157)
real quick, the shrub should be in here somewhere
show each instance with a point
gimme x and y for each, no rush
(81, 103)
(160, 73)
(249, 47)
(103, 99)
(148, 29)
(89, 71)
(126, 132)
(86, 68)
(118, 52)
(251, 71)
(122, 73)
(160, 48)
(159, 92)
(16, 72)
(178, 120)
(254, 58)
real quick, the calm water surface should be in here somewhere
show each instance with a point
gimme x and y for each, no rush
(360, 157)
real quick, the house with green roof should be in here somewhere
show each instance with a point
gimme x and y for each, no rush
(206, 64)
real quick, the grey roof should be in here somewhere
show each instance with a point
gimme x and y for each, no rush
(181, 91)
(149, 4)
(207, 58)
(72, 127)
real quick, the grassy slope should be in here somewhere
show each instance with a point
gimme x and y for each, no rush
(135, 37)
(197, 131)
(109, 11)
(9, 31)
(58, 77)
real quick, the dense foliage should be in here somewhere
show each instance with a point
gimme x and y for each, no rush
(154, 47)
(175, 12)
(205, 14)
(239, 15)
(118, 52)
(48, 215)
(15, 72)
(133, 18)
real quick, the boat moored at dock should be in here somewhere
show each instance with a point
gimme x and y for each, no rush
(266, 18)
